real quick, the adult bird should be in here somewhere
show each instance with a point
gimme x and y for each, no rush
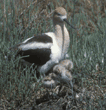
(49, 48)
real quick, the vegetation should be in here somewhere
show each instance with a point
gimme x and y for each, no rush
(20, 19)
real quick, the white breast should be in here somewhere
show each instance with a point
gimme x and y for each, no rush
(55, 50)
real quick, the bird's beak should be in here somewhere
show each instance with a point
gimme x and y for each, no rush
(69, 24)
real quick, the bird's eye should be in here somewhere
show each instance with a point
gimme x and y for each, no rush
(58, 14)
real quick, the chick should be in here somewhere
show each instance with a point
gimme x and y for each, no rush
(63, 75)
(50, 81)
(68, 64)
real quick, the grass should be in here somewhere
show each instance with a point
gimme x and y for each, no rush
(20, 20)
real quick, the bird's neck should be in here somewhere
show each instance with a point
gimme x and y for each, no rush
(62, 36)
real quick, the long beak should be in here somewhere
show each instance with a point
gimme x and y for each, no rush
(69, 24)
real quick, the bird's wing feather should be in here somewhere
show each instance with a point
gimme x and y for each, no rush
(37, 56)
(39, 38)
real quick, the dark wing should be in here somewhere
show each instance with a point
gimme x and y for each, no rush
(40, 38)
(37, 56)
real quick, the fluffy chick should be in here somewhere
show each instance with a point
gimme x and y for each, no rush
(50, 81)
(63, 74)
(68, 64)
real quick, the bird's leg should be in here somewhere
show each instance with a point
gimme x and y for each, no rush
(71, 85)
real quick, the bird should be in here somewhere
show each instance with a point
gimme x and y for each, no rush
(63, 75)
(68, 64)
(50, 81)
(49, 48)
